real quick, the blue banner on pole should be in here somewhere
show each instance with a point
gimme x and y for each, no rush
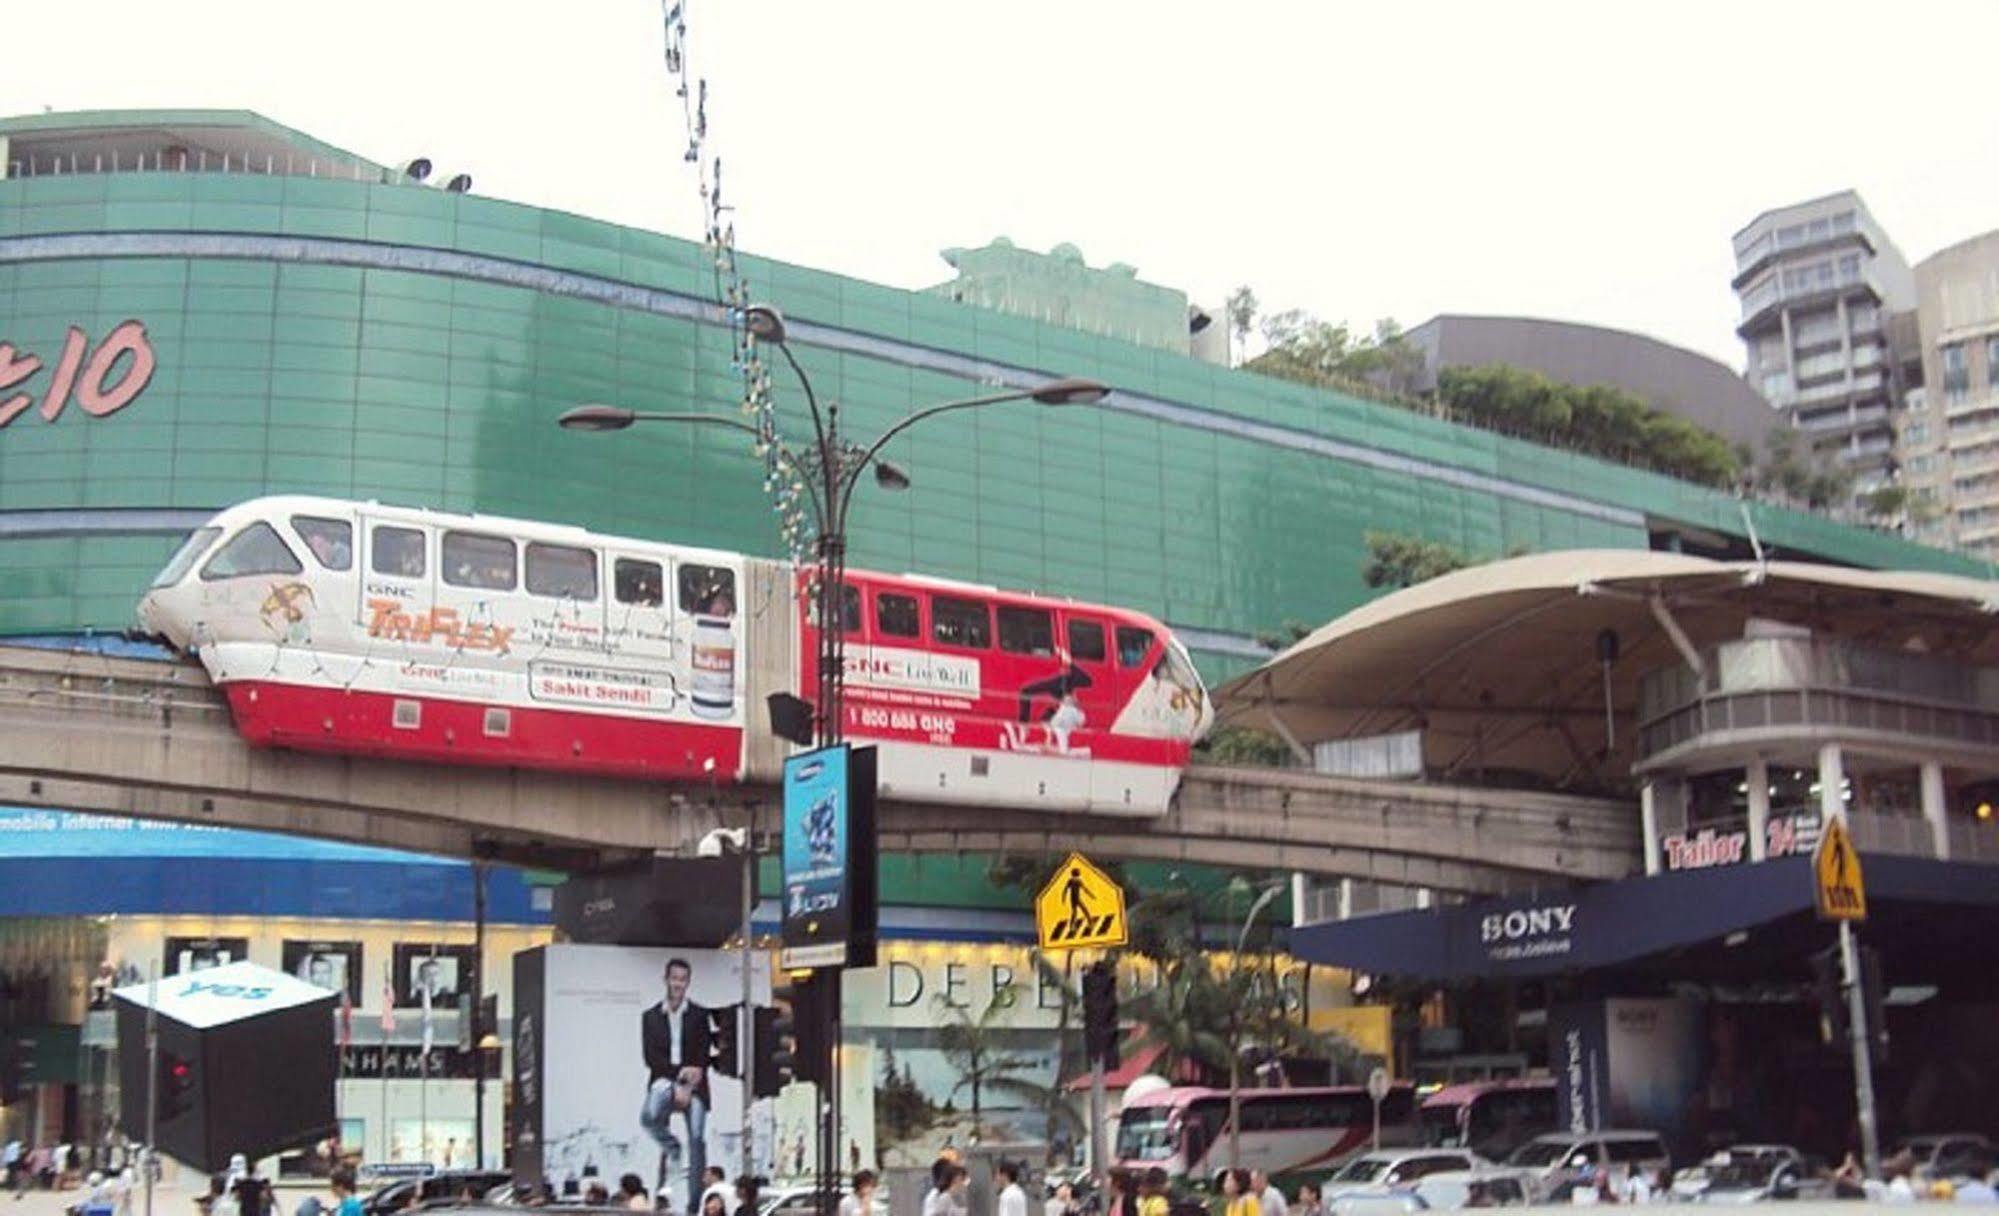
(817, 846)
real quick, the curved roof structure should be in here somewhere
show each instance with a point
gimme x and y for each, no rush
(1502, 666)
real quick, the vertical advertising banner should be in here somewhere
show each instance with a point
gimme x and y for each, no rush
(829, 858)
(631, 1068)
(1579, 1056)
(1657, 1050)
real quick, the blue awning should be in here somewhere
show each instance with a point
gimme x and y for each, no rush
(1616, 923)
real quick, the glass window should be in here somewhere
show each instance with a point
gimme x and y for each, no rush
(956, 622)
(257, 549)
(1133, 644)
(183, 560)
(850, 608)
(1956, 373)
(638, 582)
(1086, 641)
(895, 615)
(1992, 362)
(561, 572)
(398, 552)
(708, 590)
(472, 559)
(331, 541)
(1027, 631)
(1624, 1151)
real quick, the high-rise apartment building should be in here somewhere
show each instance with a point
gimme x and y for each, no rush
(1819, 282)
(1950, 433)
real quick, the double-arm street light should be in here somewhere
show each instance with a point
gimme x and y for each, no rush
(829, 470)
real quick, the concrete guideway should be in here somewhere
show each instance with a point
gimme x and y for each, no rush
(151, 740)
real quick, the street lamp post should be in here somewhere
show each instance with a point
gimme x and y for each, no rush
(829, 470)
(1235, 1049)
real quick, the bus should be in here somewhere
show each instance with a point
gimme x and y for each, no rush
(1491, 1118)
(1306, 1131)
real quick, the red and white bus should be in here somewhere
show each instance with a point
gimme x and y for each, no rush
(1491, 1118)
(1184, 1130)
(362, 628)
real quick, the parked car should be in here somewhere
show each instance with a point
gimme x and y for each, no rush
(1950, 1155)
(1375, 1201)
(800, 1201)
(1453, 1189)
(400, 1193)
(1398, 1168)
(1754, 1173)
(1547, 1164)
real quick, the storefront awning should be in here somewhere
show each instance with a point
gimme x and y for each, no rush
(1743, 921)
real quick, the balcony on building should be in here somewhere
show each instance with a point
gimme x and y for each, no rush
(1739, 754)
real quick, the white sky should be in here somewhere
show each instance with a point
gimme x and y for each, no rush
(1586, 161)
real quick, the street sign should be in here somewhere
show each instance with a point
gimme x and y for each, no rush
(1836, 884)
(1080, 907)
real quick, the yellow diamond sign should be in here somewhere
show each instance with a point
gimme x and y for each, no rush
(1836, 883)
(1080, 907)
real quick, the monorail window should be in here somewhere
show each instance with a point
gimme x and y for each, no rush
(708, 590)
(331, 541)
(1133, 644)
(955, 622)
(257, 549)
(398, 552)
(473, 559)
(1086, 642)
(639, 583)
(850, 608)
(563, 573)
(183, 560)
(896, 615)
(1026, 631)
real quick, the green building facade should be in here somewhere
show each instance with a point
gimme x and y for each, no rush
(318, 326)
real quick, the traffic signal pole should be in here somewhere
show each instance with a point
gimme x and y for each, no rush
(1857, 1032)
(1100, 1166)
(152, 1078)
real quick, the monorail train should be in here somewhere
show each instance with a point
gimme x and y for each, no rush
(361, 628)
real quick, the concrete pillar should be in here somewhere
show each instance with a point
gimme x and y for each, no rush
(1935, 810)
(1832, 775)
(1648, 819)
(1758, 779)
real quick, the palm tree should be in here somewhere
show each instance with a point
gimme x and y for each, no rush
(977, 1048)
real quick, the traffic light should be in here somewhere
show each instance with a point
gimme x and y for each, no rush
(776, 1066)
(176, 1086)
(1830, 996)
(11, 1070)
(1872, 992)
(813, 1015)
(1100, 1016)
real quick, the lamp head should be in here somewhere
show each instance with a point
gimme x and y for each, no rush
(1071, 390)
(417, 170)
(596, 418)
(766, 324)
(890, 476)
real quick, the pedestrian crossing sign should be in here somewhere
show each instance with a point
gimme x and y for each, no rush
(1841, 895)
(1079, 908)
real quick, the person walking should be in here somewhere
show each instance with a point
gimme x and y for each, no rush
(861, 1201)
(1012, 1200)
(10, 1164)
(632, 1194)
(1152, 1193)
(1117, 1194)
(714, 1181)
(1309, 1202)
(1268, 1197)
(1061, 1201)
(947, 1198)
(345, 1201)
(1237, 1197)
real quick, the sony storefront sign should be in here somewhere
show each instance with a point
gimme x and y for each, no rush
(1531, 932)
(629, 1065)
